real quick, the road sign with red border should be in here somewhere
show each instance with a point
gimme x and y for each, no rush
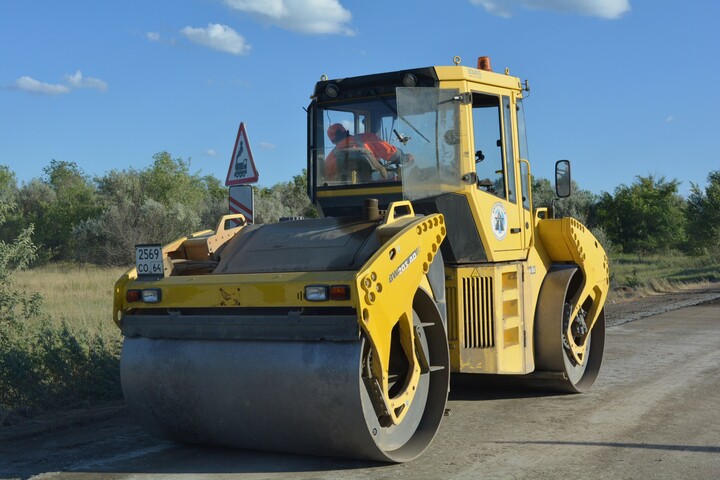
(242, 166)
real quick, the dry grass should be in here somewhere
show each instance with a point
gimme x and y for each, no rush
(80, 295)
(661, 272)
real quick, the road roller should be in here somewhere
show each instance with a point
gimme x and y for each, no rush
(338, 335)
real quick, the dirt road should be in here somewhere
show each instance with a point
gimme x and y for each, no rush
(653, 413)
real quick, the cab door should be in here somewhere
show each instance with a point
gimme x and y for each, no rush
(500, 207)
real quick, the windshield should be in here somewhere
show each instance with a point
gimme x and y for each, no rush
(372, 141)
(429, 120)
(355, 143)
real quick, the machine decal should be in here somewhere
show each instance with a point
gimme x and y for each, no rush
(398, 271)
(498, 220)
(229, 298)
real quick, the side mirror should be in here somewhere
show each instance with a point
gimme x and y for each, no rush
(562, 178)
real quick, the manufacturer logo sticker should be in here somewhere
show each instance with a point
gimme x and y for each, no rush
(498, 220)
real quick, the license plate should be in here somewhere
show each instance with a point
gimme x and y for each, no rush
(149, 261)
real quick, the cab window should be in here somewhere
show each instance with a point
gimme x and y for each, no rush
(508, 150)
(350, 157)
(494, 158)
(522, 141)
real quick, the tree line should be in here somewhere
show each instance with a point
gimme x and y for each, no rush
(648, 216)
(76, 217)
(70, 215)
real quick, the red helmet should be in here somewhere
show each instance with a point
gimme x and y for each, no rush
(336, 132)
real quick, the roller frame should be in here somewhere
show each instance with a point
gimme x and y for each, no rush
(397, 268)
(570, 242)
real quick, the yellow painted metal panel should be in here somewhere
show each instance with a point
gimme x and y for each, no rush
(233, 290)
(567, 240)
(490, 79)
(386, 285)
(511, 336)
(490, 324)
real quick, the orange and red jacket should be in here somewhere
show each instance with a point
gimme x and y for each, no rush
(378, 147)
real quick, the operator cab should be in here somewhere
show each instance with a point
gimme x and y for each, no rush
(449, 139)
(385, 142)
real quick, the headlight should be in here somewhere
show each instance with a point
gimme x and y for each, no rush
(317, 293)
(322, 293)
(147, 295)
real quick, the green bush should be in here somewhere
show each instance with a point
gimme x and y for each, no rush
(45, 364)
(646, 217)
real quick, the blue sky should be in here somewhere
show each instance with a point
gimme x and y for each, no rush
(620, 87)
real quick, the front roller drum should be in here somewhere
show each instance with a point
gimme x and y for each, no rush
(288, 396)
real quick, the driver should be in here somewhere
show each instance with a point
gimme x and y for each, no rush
(344, 142)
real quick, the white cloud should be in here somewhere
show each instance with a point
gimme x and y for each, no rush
(609, 9)
(30, 85)
(301, 16)
(78, 81)
(669, 119)
(267, 145)
(218, 37)
(157, 37)
(210, 152)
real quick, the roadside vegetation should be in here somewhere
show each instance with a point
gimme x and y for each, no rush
(658, 271)
(53, 357)
(66, 237)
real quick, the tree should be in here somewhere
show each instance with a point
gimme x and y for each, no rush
(645, 217)
(285, 199)
(215, 201)
(169, 181)
(703, 216)
(578, 205)
(75, 202)
(158, 204)
(8, 196)
(56, 204)
(8, 185)
(33, 208)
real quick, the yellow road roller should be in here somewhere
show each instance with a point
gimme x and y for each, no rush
(338, 335)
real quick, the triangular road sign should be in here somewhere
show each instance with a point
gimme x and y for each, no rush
(242, 166)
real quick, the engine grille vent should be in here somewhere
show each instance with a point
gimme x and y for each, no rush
(452, 313)
(478, 309)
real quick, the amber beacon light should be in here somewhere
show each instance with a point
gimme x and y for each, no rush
(484, 64)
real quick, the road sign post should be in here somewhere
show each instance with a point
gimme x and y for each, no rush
(241, 173)
(242, 201)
